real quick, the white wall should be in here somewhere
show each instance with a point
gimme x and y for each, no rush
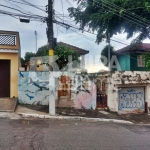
(127, 79)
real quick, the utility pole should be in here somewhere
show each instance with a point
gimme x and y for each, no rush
(108, 40)
(36, 41)
(50, 36)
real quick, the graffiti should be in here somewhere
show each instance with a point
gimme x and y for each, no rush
(71, 90)
(64, 86)
(42, 85)
(131, 99)
(21, 75)
(30, 97)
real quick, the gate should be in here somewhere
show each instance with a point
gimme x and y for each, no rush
(101, 98)
(4, 78)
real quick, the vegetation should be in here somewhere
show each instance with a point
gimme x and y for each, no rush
(63, 52)
(104, 53)
(113, 16)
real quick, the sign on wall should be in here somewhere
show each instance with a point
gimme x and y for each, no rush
(131, 100)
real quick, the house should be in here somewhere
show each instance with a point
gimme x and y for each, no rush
(9, 63)
(131, 58)
(35, 63)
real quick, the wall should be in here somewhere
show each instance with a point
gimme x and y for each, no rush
(14, 72)
(34, 89)
(134, 65)
(124, 62)
(131, 80)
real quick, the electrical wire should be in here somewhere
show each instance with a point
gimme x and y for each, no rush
(73, 26)
(117, 8)
(30, 4)
(23, 3)
(69, 3)
(19, 7)
(62, 9)
(127, 11)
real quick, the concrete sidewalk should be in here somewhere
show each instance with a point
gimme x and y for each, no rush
(41, 112)
(30, 113)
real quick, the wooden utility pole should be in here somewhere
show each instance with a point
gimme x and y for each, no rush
(50, 36)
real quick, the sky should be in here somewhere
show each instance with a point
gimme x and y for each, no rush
(27, 31)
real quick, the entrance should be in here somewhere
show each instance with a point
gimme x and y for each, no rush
(101, 93)
(4, 78)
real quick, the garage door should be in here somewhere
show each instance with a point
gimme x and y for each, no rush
(4, 78)
(131, 100)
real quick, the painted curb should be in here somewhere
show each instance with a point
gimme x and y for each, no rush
(23, 115)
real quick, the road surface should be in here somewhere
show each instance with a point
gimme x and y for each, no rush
(71, 135)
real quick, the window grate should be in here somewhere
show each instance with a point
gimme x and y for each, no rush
(9, 40)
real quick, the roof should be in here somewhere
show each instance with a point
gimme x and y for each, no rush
(144, 47)
(80, 51)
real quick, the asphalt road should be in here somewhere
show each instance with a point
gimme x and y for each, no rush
(71, 135)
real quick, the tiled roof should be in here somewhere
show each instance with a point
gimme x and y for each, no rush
(77, 49)
(144, 47)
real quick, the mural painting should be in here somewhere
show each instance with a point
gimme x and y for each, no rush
(131, 99)
(72, 90)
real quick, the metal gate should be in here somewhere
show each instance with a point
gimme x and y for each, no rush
(101, 100)
(131, 100)
(101, 94)
(4, 78)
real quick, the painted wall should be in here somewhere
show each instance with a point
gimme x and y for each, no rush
(14, 72)
(124, 82)
(134, 64)
(131, 99)
(34, 89)
(124, 62)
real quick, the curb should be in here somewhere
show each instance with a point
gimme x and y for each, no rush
(23, 115)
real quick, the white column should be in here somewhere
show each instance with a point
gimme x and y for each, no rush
(83, 62)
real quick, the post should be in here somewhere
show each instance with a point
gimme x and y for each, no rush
(51, 55)
(36, 41)
(109, 52)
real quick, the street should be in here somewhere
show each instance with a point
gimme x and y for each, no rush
(71, 135)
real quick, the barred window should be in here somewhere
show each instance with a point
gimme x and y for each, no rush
(141, 61)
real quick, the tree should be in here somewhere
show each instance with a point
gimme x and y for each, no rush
(104, 53)
(147, 60)
(22, 62)
(28, 55)
(113, 16)
(63, 52)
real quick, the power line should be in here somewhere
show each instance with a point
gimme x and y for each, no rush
(30, 4)
(23, 3)
(40, 18)
(13, 9)
(62, 9)
(75, 27)
(69, 3)
(137, 18)
(18, 7)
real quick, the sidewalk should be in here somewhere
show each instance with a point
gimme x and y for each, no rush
(88, 115)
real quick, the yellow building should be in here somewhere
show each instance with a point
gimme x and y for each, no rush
(9, 63)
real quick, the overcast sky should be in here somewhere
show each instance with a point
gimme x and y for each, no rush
(27, 30)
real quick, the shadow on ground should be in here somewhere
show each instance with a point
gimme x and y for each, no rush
(143, 118)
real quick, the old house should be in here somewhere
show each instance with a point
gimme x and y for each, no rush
(131, 57)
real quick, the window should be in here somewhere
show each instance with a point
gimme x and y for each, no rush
(141, 61)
